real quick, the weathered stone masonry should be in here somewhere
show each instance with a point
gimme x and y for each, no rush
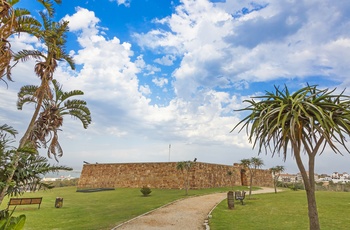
(165, 175)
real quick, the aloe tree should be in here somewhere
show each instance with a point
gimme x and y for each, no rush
(308, 120)
(50, 120)
(185, 167)
(276, 172)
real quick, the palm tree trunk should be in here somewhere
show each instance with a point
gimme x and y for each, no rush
(250, 182)
(187, 183)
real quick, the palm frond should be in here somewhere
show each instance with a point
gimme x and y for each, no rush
(25, 55)
(8, 129)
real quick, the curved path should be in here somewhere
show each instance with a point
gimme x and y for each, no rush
(189, 213)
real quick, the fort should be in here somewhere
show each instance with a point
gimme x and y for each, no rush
(165, 175)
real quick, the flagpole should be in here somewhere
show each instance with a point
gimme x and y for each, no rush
(169, 151)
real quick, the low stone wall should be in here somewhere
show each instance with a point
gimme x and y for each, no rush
(165, 175)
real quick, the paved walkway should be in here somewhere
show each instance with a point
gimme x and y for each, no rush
(189, 213)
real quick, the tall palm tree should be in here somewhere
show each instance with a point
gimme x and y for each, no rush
(53, 35)
(256, 164)
(15, 21)
(308, 120)
(252, 164)
(185, 166)
(230, 174)
(276, 172)
(50, 120)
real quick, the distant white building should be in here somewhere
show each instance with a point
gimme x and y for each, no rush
(340, 177)
(286, 178)
(300, 178)
(346, 175)
(335, 175)
(324, 177)
(69, 177)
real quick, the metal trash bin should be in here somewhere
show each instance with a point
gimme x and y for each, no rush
(59, 202)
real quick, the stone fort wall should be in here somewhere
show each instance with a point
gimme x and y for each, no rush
(165, 175)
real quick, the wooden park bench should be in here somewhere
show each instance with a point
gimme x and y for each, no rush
(25, 201)
(240, 195)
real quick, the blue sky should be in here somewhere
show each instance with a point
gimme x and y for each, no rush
(157, 72)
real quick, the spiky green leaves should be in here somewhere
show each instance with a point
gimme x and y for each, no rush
(307, 119)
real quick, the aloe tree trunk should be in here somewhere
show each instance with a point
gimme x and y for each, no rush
(309, 184)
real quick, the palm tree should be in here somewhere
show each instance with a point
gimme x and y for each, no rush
(15, 21)
(307, 120)
(230, 174)
(276, 172)
(50, 120)
(185, 166)
(256, 164)
(252, 164)
(53, 36)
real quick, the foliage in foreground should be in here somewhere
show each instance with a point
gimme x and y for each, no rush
(9, 222)
(31, 166)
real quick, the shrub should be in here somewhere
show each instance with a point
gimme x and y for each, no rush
(7, 221)
(146, 190)
(296, 186)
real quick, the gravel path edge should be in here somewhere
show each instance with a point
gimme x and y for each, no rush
(206, 221)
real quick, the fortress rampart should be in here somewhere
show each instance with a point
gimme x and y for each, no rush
(165, 175)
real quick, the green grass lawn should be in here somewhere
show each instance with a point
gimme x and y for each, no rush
(284, 210)
(97, 210)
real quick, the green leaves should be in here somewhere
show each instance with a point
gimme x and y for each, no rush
(9, 222)
(50, 120)
(306, 118)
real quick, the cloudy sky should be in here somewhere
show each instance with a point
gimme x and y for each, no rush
(163, 78)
